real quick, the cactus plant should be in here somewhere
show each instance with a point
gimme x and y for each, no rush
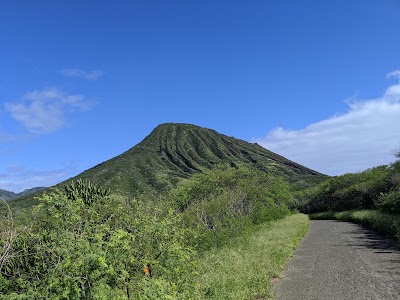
(85, 190)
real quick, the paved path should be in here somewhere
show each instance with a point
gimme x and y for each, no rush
(340, 260)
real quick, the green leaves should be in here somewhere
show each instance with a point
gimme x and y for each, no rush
(389, 202)
(83, 189)
(376, 188)
(222, 202)
(85, 244)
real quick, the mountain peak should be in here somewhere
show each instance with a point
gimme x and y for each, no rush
(175, 151)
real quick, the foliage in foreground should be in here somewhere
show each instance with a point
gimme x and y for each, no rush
(83, 243)
(245, 267)
(387, 224)
(97, 247)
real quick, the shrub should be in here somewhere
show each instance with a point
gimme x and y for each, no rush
(353, 191)
(80, 249)
(389, 202)
(220, 203)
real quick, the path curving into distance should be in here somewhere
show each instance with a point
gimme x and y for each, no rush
(341, 260)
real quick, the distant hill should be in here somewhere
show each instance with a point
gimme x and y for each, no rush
(173, 152)
(6, 195)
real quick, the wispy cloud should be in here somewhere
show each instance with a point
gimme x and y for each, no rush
(5, 137)
(363, 137)
(44, 111)
(18, 178)
(393, 92)
(79, 73)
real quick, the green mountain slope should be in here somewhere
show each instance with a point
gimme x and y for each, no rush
(173, 152)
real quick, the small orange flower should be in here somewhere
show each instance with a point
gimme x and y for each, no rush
(146, 271)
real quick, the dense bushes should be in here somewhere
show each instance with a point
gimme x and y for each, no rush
(83, 243)
(110, 248)
(222, 202)
(376, 188)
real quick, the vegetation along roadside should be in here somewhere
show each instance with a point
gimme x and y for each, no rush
(384, 223)
(371, 198)
(245, 267)
(83, 242)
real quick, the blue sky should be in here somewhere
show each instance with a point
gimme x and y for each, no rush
(83, 81)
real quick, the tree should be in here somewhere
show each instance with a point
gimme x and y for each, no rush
(396, 153)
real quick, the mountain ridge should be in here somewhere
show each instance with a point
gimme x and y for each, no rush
(173, 152)
(8, 195)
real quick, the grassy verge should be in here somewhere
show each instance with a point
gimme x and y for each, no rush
(386, 224)
(244, 268)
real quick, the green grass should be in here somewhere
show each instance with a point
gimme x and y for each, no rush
(245, 268)
(384, 223)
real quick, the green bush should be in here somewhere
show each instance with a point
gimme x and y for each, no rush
(376, 188)
(222, 202)
(80, 249)
(83, 243)
(222, 179)
(262, 213)
(389, 202)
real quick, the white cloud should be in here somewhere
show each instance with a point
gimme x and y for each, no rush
(18, 178)
(363, 137)
(78, 73)
(395, 74)
(44, 111)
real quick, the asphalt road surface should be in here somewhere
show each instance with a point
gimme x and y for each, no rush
(341, 260)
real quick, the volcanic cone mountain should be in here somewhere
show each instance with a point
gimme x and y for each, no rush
(173, 152)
